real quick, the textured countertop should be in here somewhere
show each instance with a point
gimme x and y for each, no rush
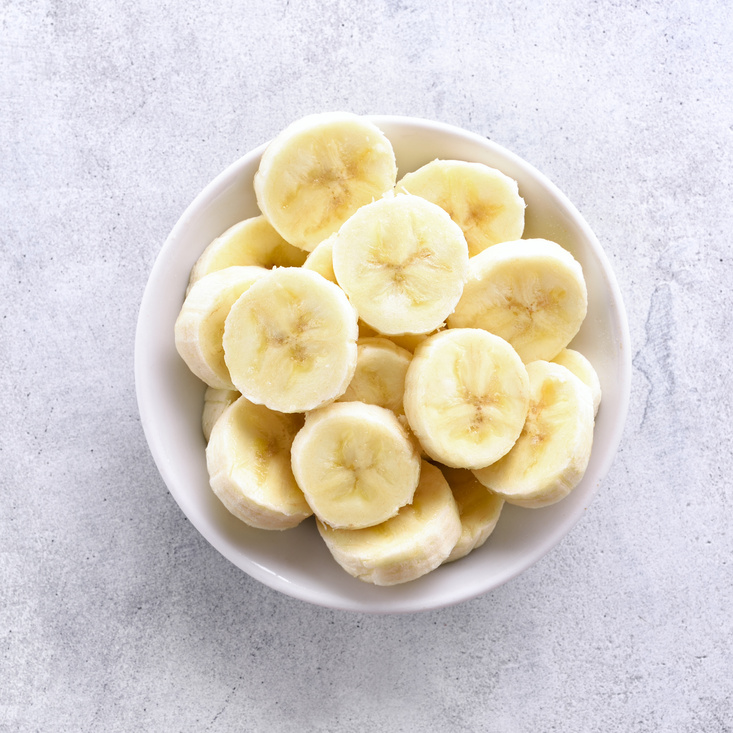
(115, 614)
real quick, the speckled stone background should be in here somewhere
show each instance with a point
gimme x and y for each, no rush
(115, 615)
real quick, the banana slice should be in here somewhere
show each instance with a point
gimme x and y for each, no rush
(412, 543)
(466, 397)
(250, 242)
(320, 260)
(552, 453)
(583, 369)
(248, 457)
(483, 201)
(200, 324)
(290, 341)
(530, 292)
(215, 402)
(478, 507)
(318, 171)
(403, 264)
(379, 378)
(355, 464)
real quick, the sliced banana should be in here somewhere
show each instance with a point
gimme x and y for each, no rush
(248, 458)
(355, 464)
(318, 171)
(583, 369)
(403, 263)
(552, 453)
(290, 341)
(215, 402)
(407, 546)
(478, 507)
(199, 327)
(320, 260)
(530, 292)
(466, 397)
(379, 378)
(249, 242)
(483, 201)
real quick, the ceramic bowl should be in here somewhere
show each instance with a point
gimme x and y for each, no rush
(296, 562)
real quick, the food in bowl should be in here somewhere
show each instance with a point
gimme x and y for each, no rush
(297, 562)
(358, 431)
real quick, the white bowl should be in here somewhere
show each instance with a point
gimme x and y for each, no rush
(296, 562)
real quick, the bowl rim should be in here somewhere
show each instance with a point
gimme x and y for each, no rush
(144, 386)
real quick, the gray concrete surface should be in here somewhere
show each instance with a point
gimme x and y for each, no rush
(115, 615)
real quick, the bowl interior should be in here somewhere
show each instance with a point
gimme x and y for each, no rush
(296, 562)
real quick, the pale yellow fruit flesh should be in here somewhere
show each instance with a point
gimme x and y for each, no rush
(403, 264)
(355, 464)
(249, 242)
(466, 397)
(531, 293)
(583, 369)
(248, 458)
(379, 379)
(319, 171)
(199, 328)
(551, 455)
(478, 507)
(320, 260)
(407, 546)
(483, 201)
(215, 402)
(291, 342)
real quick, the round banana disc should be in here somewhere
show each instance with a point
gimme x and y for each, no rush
(466, 397)
(403, 263)
(530, 292)
(478, 507)
(318, 171)
(215, 402)
(355, 464)
(483, 201)
(290, 343)
(248, 458)
(379, 379)
(249, 242)
(552, 453)
(583, 369)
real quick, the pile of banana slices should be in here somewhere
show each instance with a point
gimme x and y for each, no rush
(389, 356)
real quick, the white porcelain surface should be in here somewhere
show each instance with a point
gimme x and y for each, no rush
(296, 562)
